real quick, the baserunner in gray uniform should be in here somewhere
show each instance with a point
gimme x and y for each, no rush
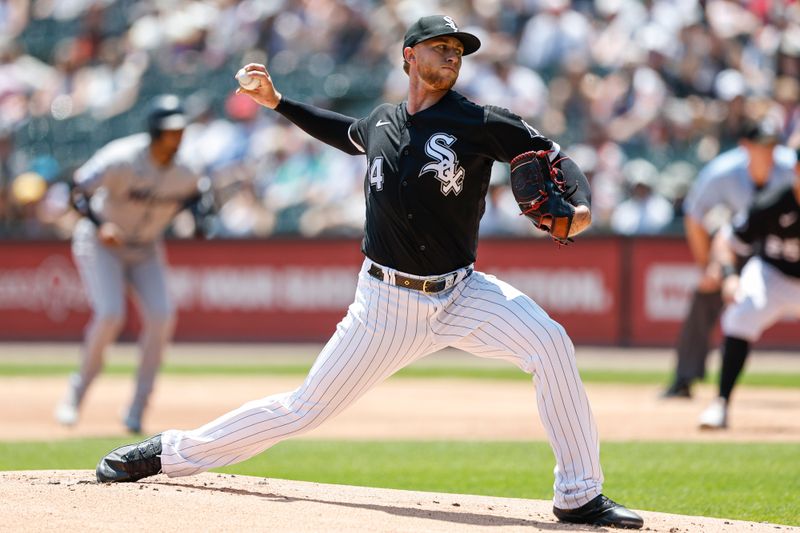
(725, 187)
(129, 192)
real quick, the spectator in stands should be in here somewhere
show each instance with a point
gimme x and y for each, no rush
(27, 190)
(243, 215)
(645, 212)
(605, 174)
(13, 17)
(501, 217)
(553, 37)
(674, 183)
(6, 176)
(500, 81)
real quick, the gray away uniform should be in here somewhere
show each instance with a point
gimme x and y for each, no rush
(127, 188)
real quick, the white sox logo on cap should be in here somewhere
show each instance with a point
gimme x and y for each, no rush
(438, 26)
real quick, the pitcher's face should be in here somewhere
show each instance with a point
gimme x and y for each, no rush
(439, 61)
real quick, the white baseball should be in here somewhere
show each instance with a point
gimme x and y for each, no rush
(246, 81)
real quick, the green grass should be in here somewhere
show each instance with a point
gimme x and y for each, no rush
(758, 482)
(765, 379)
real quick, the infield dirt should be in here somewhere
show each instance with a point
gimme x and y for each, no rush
(403, 408)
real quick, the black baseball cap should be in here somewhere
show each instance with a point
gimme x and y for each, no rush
(166, 113)
(437, 26)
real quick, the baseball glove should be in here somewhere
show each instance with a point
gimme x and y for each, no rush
(542, 195)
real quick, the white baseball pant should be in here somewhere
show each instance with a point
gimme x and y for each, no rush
(387, 328)
(765, 295)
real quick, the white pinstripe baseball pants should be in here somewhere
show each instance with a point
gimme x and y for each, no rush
(386, 329)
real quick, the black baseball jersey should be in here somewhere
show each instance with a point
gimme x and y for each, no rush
(428, 174)
(773, 222)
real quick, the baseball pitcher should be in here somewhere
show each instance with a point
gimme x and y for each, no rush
(429, 160)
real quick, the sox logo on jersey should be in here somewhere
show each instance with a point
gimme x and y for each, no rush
(446, 168)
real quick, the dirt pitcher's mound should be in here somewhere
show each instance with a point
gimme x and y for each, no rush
(66, 501)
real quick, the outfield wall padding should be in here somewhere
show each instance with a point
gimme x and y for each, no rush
(604, 290)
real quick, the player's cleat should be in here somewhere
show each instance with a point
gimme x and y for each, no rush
(601, 511)
(131, 462)
(678, 389)
(133, 423)
(132, 418)
(715, 416)
(67, 414)
(133, 426)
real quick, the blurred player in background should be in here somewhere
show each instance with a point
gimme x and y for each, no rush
(128, 193)
(767, 289)
(725, 187)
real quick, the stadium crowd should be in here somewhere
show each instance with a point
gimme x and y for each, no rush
(640, 93)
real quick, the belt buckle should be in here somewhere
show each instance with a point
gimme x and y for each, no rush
(425, 286)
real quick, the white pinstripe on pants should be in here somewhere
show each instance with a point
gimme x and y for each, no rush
(385, 329)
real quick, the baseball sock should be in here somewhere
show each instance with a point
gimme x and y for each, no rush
(734, 353)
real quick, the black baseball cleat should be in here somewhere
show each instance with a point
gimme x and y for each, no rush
(131, 462)
(601, 511)
(678, 389)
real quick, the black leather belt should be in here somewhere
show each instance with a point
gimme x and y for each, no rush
(425, 285)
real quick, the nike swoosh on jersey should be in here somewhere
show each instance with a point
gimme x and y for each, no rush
(381, 123)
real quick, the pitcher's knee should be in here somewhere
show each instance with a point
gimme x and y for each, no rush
(307, 414)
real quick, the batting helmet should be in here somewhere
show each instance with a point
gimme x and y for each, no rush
(165, 113)
(767, 130)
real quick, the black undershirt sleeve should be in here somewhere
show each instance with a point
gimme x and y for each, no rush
(327, 126)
